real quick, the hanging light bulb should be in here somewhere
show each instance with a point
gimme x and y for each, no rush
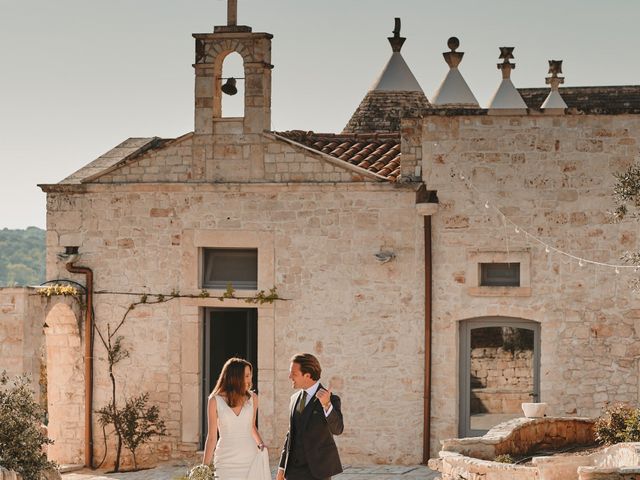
(617, 271)
(461, 177)
(517, 230)
(546, 248)
(581, 263)
(486, 204)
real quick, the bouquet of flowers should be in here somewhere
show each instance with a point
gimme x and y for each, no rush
(201, 472)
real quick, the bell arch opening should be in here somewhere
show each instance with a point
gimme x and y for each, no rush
(230, 86)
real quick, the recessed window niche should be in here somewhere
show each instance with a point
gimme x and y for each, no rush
(499, 273)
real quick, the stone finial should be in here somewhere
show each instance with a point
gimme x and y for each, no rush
(554, 103)
(453, 58)
(232, 13)
(454, 91)
(507, 99)
(397, 41)
(555, 68)
(506, 53)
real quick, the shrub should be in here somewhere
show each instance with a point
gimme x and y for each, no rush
(504, 458)
(135, 423)
(619, 423)
(21, 439)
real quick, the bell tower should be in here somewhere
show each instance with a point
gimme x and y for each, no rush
(211, 50)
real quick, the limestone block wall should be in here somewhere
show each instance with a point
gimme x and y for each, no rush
(501, 379)
(21, 333)
(552, 176)
(316, 244)
(171, 162)
(229, 156)
(284, 163)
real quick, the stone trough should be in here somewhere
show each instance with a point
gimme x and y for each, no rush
(472, 458)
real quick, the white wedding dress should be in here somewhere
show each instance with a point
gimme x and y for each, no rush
(236, 456)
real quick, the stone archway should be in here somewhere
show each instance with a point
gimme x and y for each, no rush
(65, 386)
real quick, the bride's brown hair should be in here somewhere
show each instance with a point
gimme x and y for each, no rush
(231, 381)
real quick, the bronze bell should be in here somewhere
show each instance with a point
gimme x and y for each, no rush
(230, 87)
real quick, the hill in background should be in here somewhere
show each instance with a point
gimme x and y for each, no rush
(22, 257)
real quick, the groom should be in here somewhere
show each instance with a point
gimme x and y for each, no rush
(309, 451)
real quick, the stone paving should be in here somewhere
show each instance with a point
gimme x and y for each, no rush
(174, 470)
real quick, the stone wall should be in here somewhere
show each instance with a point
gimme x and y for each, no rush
(553, 177)
(316, 244)
(21, 333)
(171, 161)
(277, 161)
(501, 379)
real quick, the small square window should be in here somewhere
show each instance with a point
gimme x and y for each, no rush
(235, 266)
(499, 274)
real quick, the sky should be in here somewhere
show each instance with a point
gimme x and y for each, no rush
(78, 77)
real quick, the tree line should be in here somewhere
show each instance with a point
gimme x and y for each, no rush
(22, 257)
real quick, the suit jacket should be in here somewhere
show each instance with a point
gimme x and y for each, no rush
(317, 436)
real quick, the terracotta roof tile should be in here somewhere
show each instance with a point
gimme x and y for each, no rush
(377, 153)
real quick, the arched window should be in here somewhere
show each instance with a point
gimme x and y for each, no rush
(499, 370)
(233, 105)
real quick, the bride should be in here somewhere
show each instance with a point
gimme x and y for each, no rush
(239, 453)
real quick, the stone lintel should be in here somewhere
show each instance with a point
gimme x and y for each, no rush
(231, 35)
(231, 29)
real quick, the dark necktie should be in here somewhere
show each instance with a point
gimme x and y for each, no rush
(303, 402)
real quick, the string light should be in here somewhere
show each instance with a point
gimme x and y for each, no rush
(547, 248)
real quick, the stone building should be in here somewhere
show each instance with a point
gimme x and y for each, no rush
(408, 253)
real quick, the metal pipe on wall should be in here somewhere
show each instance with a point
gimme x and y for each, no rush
(88, 363)
(428, 277)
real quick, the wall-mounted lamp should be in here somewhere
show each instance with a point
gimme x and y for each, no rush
(69, 255)
(384, 256)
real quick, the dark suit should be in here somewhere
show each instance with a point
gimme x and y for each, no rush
(309, 451)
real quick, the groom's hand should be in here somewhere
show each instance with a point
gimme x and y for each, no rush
(280, 474)
(325, 397)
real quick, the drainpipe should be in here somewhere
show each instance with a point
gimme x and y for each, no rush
(88, 358)
(428, 277)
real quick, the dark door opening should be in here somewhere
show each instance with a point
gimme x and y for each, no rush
(228, 332)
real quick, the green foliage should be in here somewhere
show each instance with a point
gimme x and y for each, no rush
(619, 423)
(263, 298)
(58, 289)
(21, 439)
(626, 193)
(22, 256)
(504, 458)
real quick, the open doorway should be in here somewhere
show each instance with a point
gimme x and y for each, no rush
(228, 332)
(499, 369)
